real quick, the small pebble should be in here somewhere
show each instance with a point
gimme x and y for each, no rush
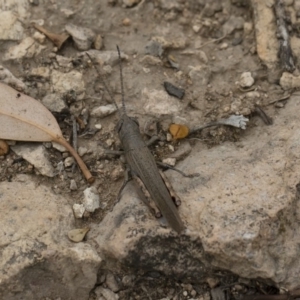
(185, 293)
(246, 80)
(82, 151)
(73, 185)
(196, 28)
(169, 137)
(91, 199)
(126, 22)
(103, 111)
(98, 43)
(223, 46)
(69, 161)
(169, 161)
(112, 283)
(193, 293)
(77, 235)
(212, 282)
(78, 210)
(98, 126)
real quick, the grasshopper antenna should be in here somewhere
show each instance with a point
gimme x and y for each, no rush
(122, 84)
(104, 83)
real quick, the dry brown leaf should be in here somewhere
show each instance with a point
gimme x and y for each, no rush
(3, 147)
(57, 39)
(23, 118)
(179, 131)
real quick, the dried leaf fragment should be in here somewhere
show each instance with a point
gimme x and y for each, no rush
(77, 235)
(3, 147)
(179, 131)
(23, 118)
(57, 39)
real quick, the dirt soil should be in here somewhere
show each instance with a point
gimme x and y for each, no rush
(196, 34)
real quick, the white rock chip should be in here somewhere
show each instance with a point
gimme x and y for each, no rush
(78, 210)
(65, 82)
(91, 199)
(103, 111)
(171, 161)
(59, 147)
(69, 161)
(37, 155)
(246, 80)
(159, 103)
(83, 37)
(11, 28)
(39, 37)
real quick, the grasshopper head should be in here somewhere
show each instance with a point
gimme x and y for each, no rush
(127, 125)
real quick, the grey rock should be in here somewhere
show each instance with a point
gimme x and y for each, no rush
(7, 77)
(54, 102)
(183, 150)
(82, 151)
(106, 294)
(154, 48)
(34, 246)
(73, 185)
(244, 200)
(37, 155)
(232, 24)
(159, 103)
(112, 283)
(83, 37)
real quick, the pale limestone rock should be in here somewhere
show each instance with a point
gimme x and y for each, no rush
(289, 81)
(11, 28)
(41, 72)
(158, 103)
(27, 48)
(78, 210)
(103, 110)
(34, 246)
(91, 200)
(20, 8)
(66, 82)
(241, 214)
(36, 154)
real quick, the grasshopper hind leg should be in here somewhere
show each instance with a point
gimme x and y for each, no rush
(148, 200)
(169, 186)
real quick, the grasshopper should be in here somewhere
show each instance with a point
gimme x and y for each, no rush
(142, 166)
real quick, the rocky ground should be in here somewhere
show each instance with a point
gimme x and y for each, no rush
(242, 210)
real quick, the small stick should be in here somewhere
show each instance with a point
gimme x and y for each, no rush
(285, 51)
(280, 99)
(268, 120)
